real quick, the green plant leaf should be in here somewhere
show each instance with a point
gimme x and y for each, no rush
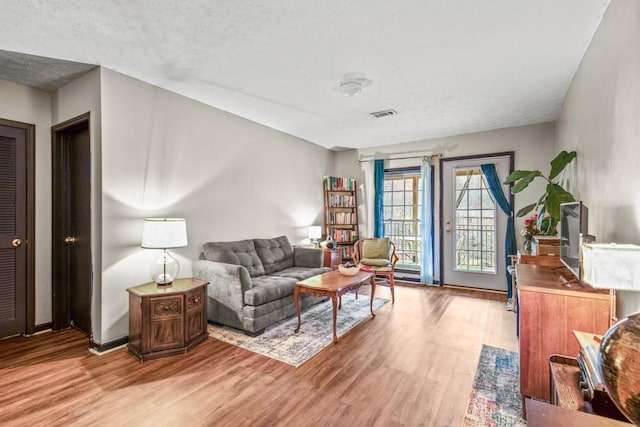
(540, 217)
(555, 196)
(548, 226)
(525, 181)
(560, 162)
(525, 210)
(516, 175)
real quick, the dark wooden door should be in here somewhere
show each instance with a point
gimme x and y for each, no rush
(13, 230)
(72, 224)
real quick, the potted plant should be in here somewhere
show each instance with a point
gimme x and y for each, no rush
(554, 195)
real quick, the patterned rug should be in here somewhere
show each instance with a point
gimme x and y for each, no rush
(495, 398)
(316, 330)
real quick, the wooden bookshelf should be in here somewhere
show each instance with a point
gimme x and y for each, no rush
(341, 213)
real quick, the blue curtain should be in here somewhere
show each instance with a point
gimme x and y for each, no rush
(495, 186)
(378, 214)
(426, 233)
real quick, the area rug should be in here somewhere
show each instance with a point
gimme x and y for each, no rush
(280, 343)
(495, 398)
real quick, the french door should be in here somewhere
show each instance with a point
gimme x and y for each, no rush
(473, 225)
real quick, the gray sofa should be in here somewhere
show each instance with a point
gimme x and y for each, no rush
(251, 282)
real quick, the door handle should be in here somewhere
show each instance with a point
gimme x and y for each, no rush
(69, 240)
(447, 230)
(16, 242)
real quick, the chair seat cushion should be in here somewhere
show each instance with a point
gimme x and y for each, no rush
(375, 262)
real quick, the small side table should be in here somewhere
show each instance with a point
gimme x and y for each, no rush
(331, 258)
(165, 321)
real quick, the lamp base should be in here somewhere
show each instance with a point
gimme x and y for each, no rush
(165, 269)
(164, 285)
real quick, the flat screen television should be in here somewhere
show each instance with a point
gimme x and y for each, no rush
(574, 220)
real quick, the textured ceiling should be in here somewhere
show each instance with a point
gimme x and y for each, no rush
(447, 67)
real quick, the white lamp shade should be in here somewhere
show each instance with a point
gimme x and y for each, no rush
(611, 266)
(315, 232)
(164, 233)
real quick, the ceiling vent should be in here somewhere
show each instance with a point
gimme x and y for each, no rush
(384, 113)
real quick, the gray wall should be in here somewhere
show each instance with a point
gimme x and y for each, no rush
(534, 147)
(72, 100)
(600, 119)
(155, 153)
(166, 155)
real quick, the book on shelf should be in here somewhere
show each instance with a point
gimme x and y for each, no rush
(344, 235)
(333, 183)
(341, 213)
(346, 252)
(342, 218)
(340, 201)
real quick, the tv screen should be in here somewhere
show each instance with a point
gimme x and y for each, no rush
(574, 219)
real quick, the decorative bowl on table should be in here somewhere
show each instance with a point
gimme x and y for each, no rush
(348, 270)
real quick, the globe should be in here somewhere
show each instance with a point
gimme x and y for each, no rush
(619, 361)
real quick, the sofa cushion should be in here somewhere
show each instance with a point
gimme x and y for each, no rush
(276, 254)
(242, 252)
(301, 273)
(269, 288)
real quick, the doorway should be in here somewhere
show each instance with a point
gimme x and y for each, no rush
(17, 228)
(71, 247)
(474, 226)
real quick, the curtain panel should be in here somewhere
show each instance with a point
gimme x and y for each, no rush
(426, 233)
(378, 213)
(495, 186)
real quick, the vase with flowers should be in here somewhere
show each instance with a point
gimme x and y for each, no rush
(530, 229)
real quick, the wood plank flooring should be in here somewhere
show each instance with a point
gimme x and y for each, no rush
(413, 364)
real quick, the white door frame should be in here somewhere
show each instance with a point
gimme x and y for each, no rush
(500, 276)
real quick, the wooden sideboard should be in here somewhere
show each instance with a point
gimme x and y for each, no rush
(165, 321)
(550, 309)
(546, 260)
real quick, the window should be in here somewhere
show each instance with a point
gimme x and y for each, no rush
(475, 223)
(402, 205)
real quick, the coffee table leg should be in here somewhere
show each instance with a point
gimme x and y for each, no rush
(296, 295)
(373, 292)
(334, 303)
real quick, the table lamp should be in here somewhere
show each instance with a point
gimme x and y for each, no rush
(315, 233)
(164, 233)
(617, 267)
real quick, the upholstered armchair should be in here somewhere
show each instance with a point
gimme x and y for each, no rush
(379, 256)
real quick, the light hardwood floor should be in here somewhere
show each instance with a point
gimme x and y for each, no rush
(413, 364)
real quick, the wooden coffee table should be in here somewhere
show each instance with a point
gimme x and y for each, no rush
(333, 285)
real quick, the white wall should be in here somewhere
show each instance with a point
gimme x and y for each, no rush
(534, 147)
(33, 106)
(166, 155)
(600, 119)
(72, 100)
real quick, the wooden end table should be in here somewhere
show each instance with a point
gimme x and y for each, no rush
(164, 321)
(333, 285)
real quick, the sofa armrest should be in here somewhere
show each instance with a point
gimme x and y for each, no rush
(227, 282)
(307, 257)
